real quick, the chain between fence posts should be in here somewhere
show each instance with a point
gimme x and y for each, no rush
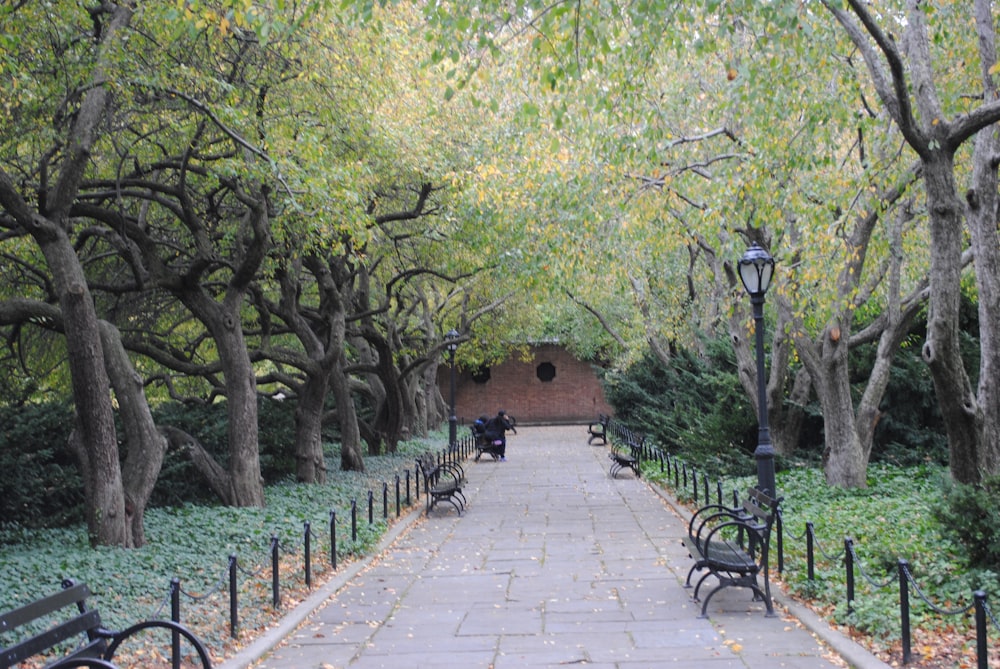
(234, 619)
(175, 615)
(275, 581)
(904, 609)
(982, 651)
(849, 567)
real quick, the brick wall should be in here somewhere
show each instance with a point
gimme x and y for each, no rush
(573, 395)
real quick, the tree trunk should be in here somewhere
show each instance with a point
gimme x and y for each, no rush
(145, 446)
(960, 411)
(310, 465)
(351, 459)
(241, 404)
(982, 204)
(95, 441)
(216, 477)
(845, 459)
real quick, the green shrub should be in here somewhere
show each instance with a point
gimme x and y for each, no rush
(969, 516)
(41, 479)
(694, 407)
(38, 474)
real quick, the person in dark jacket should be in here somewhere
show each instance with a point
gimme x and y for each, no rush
(496, 431)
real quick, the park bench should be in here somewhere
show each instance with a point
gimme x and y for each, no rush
(625, 455)
(486, 446)
(598, 430)
(732, 544)
(62, 629)
(443, 482)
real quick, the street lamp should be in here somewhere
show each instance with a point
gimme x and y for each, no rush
(756, 268)
(452, 338)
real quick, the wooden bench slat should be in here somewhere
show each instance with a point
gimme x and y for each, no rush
(13, 619)
(66, 631)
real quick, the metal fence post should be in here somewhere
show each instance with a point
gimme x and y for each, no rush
(982, 650)
(904, 609)
(175, 615)
(333, 539)
(849, 566)
(354, 520)
(307, 553)
(275, 574)
(234, 619)
(810, 551)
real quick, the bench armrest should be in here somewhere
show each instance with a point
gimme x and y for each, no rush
(712, 514)
(117, 638)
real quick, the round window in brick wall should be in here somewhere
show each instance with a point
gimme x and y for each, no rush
(481, 375)
(545, 372)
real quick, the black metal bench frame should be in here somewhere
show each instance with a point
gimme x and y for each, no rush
(625, 456)
(76, 623)
(733, 544)
(598, 430)
(443, 482)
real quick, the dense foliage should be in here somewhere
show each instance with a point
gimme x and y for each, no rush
(969, 515)
(693, 406)
(41, 477)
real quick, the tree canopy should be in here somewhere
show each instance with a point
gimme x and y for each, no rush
(227, 200)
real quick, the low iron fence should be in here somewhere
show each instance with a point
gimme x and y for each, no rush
(686, 478)
(391, 498)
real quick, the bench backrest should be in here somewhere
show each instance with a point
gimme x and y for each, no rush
(429, 466)
(764, 509)
(67, 618)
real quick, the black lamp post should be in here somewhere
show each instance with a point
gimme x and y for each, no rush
(452, 338)
(756, 268)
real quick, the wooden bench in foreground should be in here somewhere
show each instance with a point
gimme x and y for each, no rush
(63, 627)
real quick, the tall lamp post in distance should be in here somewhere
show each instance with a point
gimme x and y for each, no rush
(756, 269)
(452, 338)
